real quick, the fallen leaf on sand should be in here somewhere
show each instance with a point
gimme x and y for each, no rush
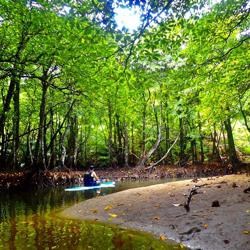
(113, 215)
(223, 182)
(195, 180)
(119, 204)
(108, 207)
(157, 206)
(94, 211)
(162, 237)
(181, 245)
(177, 204)
(234, 185)
(156, 218)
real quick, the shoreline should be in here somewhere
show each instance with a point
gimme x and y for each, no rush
(24, 180)
(159, 210)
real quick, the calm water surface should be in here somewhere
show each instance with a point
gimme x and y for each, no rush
(29, 221)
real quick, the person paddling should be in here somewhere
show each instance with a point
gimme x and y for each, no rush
(91, 178)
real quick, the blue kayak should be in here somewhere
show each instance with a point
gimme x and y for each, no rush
(108, 184)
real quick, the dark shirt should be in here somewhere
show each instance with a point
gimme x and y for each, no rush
(89, 180)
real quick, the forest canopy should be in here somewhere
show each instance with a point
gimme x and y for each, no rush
(76, 89)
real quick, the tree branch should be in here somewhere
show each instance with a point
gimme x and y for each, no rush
(156, 163)
(147, 23)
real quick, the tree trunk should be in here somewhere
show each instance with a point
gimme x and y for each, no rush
(15, 80)
(142, 161)
(44, 148)
(6, 107)
(39, 148)
(85, 144)
(231, 146)
(194, 152)
(132, 145)
(52, 159)
(29, 155)
(143, 144)
(215, 152)
(120, 158)
(182, 158)
(164, 156)
(244, 116)
(115, 135)
(62, 147)
(59, 126)
(72, 141)
(110, 144)
(158, 153)
(126, 145)
(16, 122)
(201, 140)
(167, 140)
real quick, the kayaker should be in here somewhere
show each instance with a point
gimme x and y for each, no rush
(91, 178)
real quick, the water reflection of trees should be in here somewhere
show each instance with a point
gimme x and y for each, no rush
(50, 232)
(41, 201)
(27, 221)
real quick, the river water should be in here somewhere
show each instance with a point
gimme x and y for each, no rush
(30, 221)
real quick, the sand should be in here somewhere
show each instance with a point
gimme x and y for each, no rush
(159, 209)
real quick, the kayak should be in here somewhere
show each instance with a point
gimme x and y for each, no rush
(108, 184)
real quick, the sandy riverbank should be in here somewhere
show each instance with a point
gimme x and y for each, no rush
(158, 209)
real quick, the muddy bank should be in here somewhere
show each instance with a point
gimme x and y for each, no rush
(67, 177)
(159, 209)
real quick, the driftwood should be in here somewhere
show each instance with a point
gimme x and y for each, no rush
(192, 192)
